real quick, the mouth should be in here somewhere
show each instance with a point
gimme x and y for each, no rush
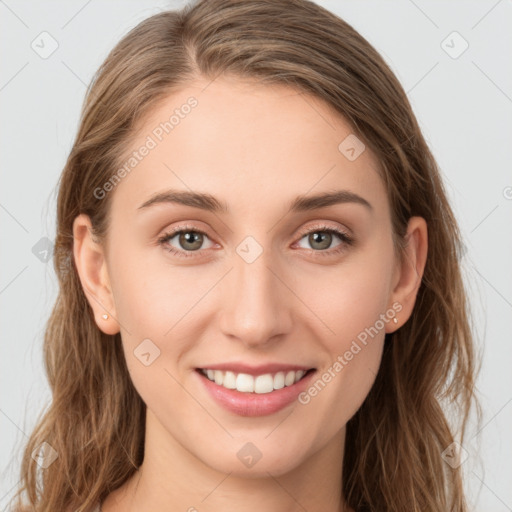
(255, 391)
(253, 382)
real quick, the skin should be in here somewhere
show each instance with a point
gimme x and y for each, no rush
(256, 148)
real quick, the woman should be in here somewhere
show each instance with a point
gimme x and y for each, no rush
(260, 292)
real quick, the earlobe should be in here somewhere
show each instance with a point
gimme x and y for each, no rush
(91, 265)
(410, 270)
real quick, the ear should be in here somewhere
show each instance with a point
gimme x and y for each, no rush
(91, 265)
(409, 273)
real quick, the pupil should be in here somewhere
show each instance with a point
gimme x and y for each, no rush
(322, 237)
(191, 237)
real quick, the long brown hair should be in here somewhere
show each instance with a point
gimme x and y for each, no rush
(96, 421)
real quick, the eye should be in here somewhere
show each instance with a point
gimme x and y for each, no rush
(189, 240)
(320, 238)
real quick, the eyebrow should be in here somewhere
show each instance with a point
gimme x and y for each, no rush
(210, 203)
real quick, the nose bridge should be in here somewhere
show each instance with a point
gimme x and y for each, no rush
(254, 307)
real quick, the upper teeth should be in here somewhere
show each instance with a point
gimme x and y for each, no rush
(248, 384)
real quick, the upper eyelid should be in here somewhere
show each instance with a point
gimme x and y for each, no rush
(320, 225)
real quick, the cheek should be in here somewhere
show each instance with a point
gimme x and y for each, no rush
(150, 301)
(157, 305)
(353, 305)
(151, 295)
(349, 298)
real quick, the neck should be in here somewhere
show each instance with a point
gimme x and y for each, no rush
(172, 478)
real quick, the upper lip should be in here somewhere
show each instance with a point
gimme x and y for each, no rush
(256, 370)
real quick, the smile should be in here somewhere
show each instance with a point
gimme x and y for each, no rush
(245, 383)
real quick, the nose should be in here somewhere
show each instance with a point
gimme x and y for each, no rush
(256, 304)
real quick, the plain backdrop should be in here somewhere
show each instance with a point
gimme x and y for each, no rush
(453, 58)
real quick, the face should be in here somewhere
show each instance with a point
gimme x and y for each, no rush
(292, 295)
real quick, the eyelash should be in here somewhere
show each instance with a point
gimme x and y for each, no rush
(344, 237)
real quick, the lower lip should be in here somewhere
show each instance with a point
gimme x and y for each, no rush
(255, 404)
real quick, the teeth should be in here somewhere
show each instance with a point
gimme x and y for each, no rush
(279, 380)
(246, 383)
(229, 380)
(289, 379)
(264, 383)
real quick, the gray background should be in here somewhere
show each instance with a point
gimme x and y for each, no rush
(464, 106)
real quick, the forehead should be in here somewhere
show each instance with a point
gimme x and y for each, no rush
(247, 144)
